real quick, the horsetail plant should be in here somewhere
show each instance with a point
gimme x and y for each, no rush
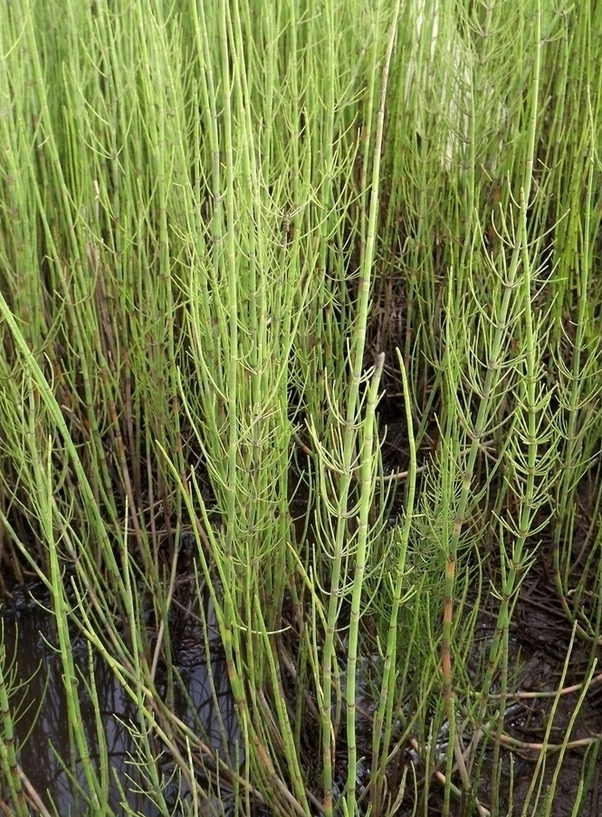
(217, 224)
(8, 747)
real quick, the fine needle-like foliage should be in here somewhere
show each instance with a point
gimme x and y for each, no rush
(300, 313)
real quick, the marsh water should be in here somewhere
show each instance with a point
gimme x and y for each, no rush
(42, 729)
(537, 652)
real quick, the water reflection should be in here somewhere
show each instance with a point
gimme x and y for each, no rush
(43, 733)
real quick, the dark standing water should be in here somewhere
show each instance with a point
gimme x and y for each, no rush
(43, 733)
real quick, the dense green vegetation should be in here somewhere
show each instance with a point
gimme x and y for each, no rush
(303, 301)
